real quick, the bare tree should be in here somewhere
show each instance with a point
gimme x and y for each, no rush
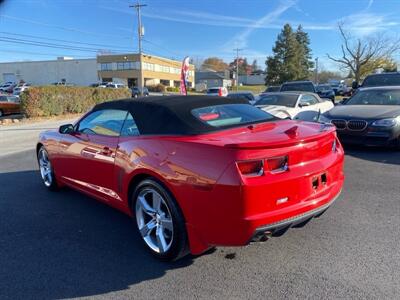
(358, 53)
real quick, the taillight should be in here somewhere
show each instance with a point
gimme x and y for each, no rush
(258, 167)
(277, 164)
(251, 168)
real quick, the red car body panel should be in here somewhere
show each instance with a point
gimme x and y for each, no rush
(220, 206)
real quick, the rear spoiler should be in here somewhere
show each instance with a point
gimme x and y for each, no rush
(326, 128)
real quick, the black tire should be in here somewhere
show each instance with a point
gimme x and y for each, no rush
(49, 181)
(179, 243)
(1, 113)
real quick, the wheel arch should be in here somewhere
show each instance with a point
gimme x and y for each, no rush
(141, 175)
(38, 146)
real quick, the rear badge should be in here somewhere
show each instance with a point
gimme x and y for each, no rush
(282, 200)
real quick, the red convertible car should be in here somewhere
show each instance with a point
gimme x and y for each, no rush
(197, 172)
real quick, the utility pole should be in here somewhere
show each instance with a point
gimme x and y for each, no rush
(237, 67)
(316, 70)
(138, 6)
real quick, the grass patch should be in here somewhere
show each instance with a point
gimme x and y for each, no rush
(252, 88)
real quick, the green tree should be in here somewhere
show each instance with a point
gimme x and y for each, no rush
(305, 62)
(284, 64)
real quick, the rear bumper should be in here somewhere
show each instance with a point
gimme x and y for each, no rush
(280, 227)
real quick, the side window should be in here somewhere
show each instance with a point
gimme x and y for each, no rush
(129, 128)
(103, 122)
(311, 100)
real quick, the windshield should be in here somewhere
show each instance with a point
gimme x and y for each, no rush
(288, 100)
(382, 80)
(273, 89)
(231, 115)
(306, 87)
(375, 97)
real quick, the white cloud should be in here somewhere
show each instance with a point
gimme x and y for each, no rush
(364, 23)
(240, 40)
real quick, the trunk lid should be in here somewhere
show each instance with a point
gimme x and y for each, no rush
(278, 134)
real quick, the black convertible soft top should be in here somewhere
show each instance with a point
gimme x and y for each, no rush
(168, 114)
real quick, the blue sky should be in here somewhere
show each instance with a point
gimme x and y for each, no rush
(176, 28)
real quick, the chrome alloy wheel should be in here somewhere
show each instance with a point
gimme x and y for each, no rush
(154, 220)
(45, 167)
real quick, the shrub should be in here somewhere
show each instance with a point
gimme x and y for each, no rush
(172, 89)
(158, 88)
(45, 101)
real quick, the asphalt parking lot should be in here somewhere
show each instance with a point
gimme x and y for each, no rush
(64, 245)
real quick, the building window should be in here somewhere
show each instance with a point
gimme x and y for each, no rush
(106, 66)
(148, 66)
(127, 65)
(164, 69)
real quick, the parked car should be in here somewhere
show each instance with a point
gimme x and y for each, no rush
(370, 117)
(326, 91)
(7, 87)
(249, 96)
(137, 92)
(272, 89)
(298, 86)
(382, 79)
(217, 91)
(294, 105)
(19, 89)
(196, 172)
(99, 85)
(116, 85)
(9, 105)
(345, 90)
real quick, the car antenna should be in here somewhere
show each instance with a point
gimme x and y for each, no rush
(319, 115)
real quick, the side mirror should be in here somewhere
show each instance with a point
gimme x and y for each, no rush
(66, 129)
(354, 85)
(304, 104)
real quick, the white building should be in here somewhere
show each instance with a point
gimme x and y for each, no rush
(74, 71)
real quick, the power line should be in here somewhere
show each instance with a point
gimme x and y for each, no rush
(58, 40)
(161, 47)
(51, 45)
(40, 53)
(61, 27)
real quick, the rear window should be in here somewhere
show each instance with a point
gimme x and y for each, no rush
(382, 80)
(213, 91)
(246, 96)
(230, 115)
(287, 100)
(305, 87)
